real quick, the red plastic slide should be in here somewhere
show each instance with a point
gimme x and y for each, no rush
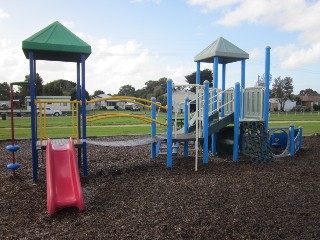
(63, 181)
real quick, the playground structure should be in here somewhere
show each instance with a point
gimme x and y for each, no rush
(246, 109)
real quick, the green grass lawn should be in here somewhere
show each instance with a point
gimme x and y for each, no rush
(61, 126)
(66, 121)
(308, 128)
(292, 116)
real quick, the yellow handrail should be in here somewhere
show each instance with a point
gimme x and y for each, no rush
(74, 111)
(43, 122)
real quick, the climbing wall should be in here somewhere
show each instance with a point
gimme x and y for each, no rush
(255, 142)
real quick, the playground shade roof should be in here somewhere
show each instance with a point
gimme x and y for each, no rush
(222, 48)
(56, 43)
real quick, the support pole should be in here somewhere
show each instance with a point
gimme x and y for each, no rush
(12, 128)
(215, 83)
(33, 119)
(243, 86)
(291, 141)
(266, 92)
(236, 122)
(186, 126)
(206, 123)
(223, 87)
(35, 95)
(83, 112)
(169, 120)
(198, 73)
(79, 111)
(300, 137)
(215, 104)
(153, 127)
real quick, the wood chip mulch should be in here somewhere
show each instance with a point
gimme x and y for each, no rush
(128, 196)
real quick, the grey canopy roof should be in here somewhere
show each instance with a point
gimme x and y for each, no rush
(222, 48)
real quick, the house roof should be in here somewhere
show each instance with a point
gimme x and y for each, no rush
(222, 48)
(103, 95)
(56, 43)
(308, 98)
(275, 100)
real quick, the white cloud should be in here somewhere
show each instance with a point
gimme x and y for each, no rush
(3, 14)
(299, 16)
(291, 56)
(256, 53)
(13, 64)
(110, 66)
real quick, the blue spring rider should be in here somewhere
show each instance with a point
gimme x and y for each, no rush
(13, 148)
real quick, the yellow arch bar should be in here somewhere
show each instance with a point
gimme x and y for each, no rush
(106, 115)
(130, 99)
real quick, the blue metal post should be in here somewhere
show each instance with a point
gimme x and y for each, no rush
(215, 104)
(79, 111)
(215, 82)
(169, 121)
(35, 97)
(223, 87)
(153, 127)
(198, 73)
(266, 93)
(83, 112)
(206, 123)
(186, 126)
(300, 137)
(236, 121)
(33, 119)
(243, 86)
(291, 143)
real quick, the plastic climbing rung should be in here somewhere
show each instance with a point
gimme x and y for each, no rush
(13, 148)
(13, 166)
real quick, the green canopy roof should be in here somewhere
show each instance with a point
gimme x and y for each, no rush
(222, 48)
(56, 43)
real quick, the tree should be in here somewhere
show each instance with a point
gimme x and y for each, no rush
(126, 90)
(98, 92)
(205, 74)
(52, 89)
(25, 90)
(59, 87)
(297, 99)
(282, 90)
(155, 88)
(4, 91)
(309, 92)
(73, 95)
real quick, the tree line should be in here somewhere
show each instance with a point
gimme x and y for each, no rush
(281, 89)
(58, 87)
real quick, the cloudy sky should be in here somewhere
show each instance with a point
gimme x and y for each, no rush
(134, 41)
